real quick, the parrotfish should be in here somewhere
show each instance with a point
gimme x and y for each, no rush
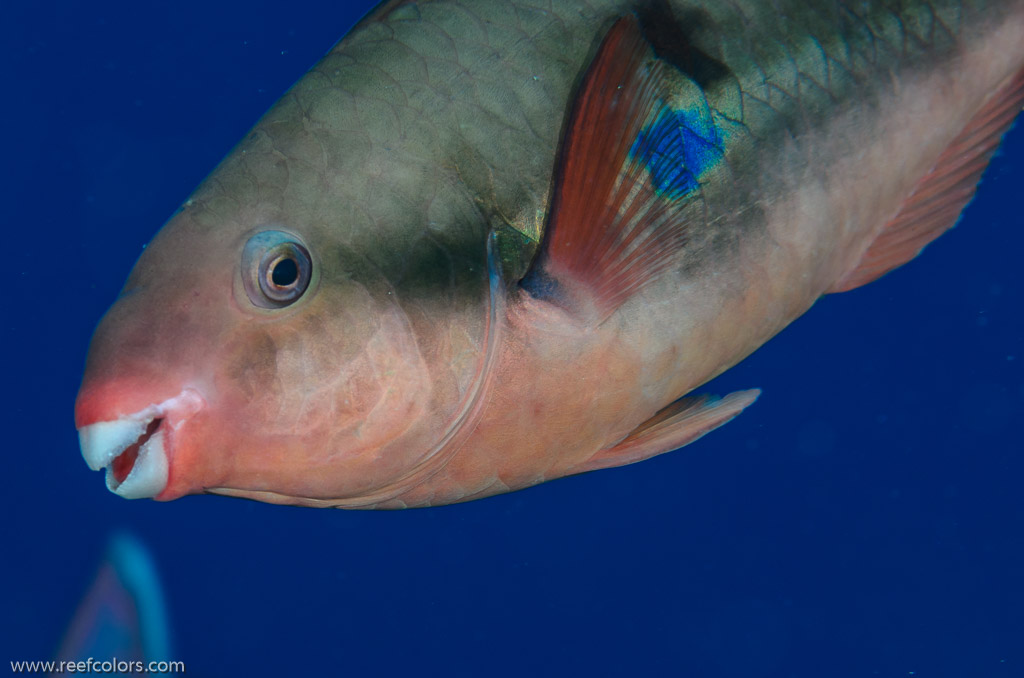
(484, 245)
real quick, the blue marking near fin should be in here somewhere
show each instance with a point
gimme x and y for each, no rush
(641, 139)
(677, 148)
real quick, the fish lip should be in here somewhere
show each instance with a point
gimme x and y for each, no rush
(103, 442)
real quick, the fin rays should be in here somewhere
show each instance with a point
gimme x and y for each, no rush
(612, 228)
(937, 200)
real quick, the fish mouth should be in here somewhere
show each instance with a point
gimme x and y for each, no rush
(134, 449)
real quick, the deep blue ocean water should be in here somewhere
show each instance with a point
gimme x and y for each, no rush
(864, 518)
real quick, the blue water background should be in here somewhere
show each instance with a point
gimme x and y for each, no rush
(864, 518)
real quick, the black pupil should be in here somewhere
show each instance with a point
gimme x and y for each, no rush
(285, 272)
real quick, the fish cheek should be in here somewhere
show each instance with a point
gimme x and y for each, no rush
(318, 372)
(325, 367)
(328, 400)
(378, 385)
(251, 368)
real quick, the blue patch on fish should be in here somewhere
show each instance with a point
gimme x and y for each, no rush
(678, 148)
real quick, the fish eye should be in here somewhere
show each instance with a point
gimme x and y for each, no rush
(276, 269)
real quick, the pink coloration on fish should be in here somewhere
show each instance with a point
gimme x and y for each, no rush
(481, 247)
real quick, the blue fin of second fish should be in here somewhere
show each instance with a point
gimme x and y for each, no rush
(123, 614)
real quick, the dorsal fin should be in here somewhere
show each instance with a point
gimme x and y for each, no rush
(628, 161)
(940, 196)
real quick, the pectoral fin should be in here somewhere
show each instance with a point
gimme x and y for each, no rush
(640, 139)
(677, 425)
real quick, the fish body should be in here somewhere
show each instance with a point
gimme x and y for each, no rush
(515, 238)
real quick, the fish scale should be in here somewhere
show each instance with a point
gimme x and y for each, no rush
(521, 235)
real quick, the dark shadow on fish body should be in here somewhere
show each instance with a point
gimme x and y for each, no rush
(673, 40)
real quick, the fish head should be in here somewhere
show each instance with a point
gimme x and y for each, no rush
(255, 351)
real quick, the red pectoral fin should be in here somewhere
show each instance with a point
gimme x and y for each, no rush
(677, 425)
(938, 198)
(631, 155)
